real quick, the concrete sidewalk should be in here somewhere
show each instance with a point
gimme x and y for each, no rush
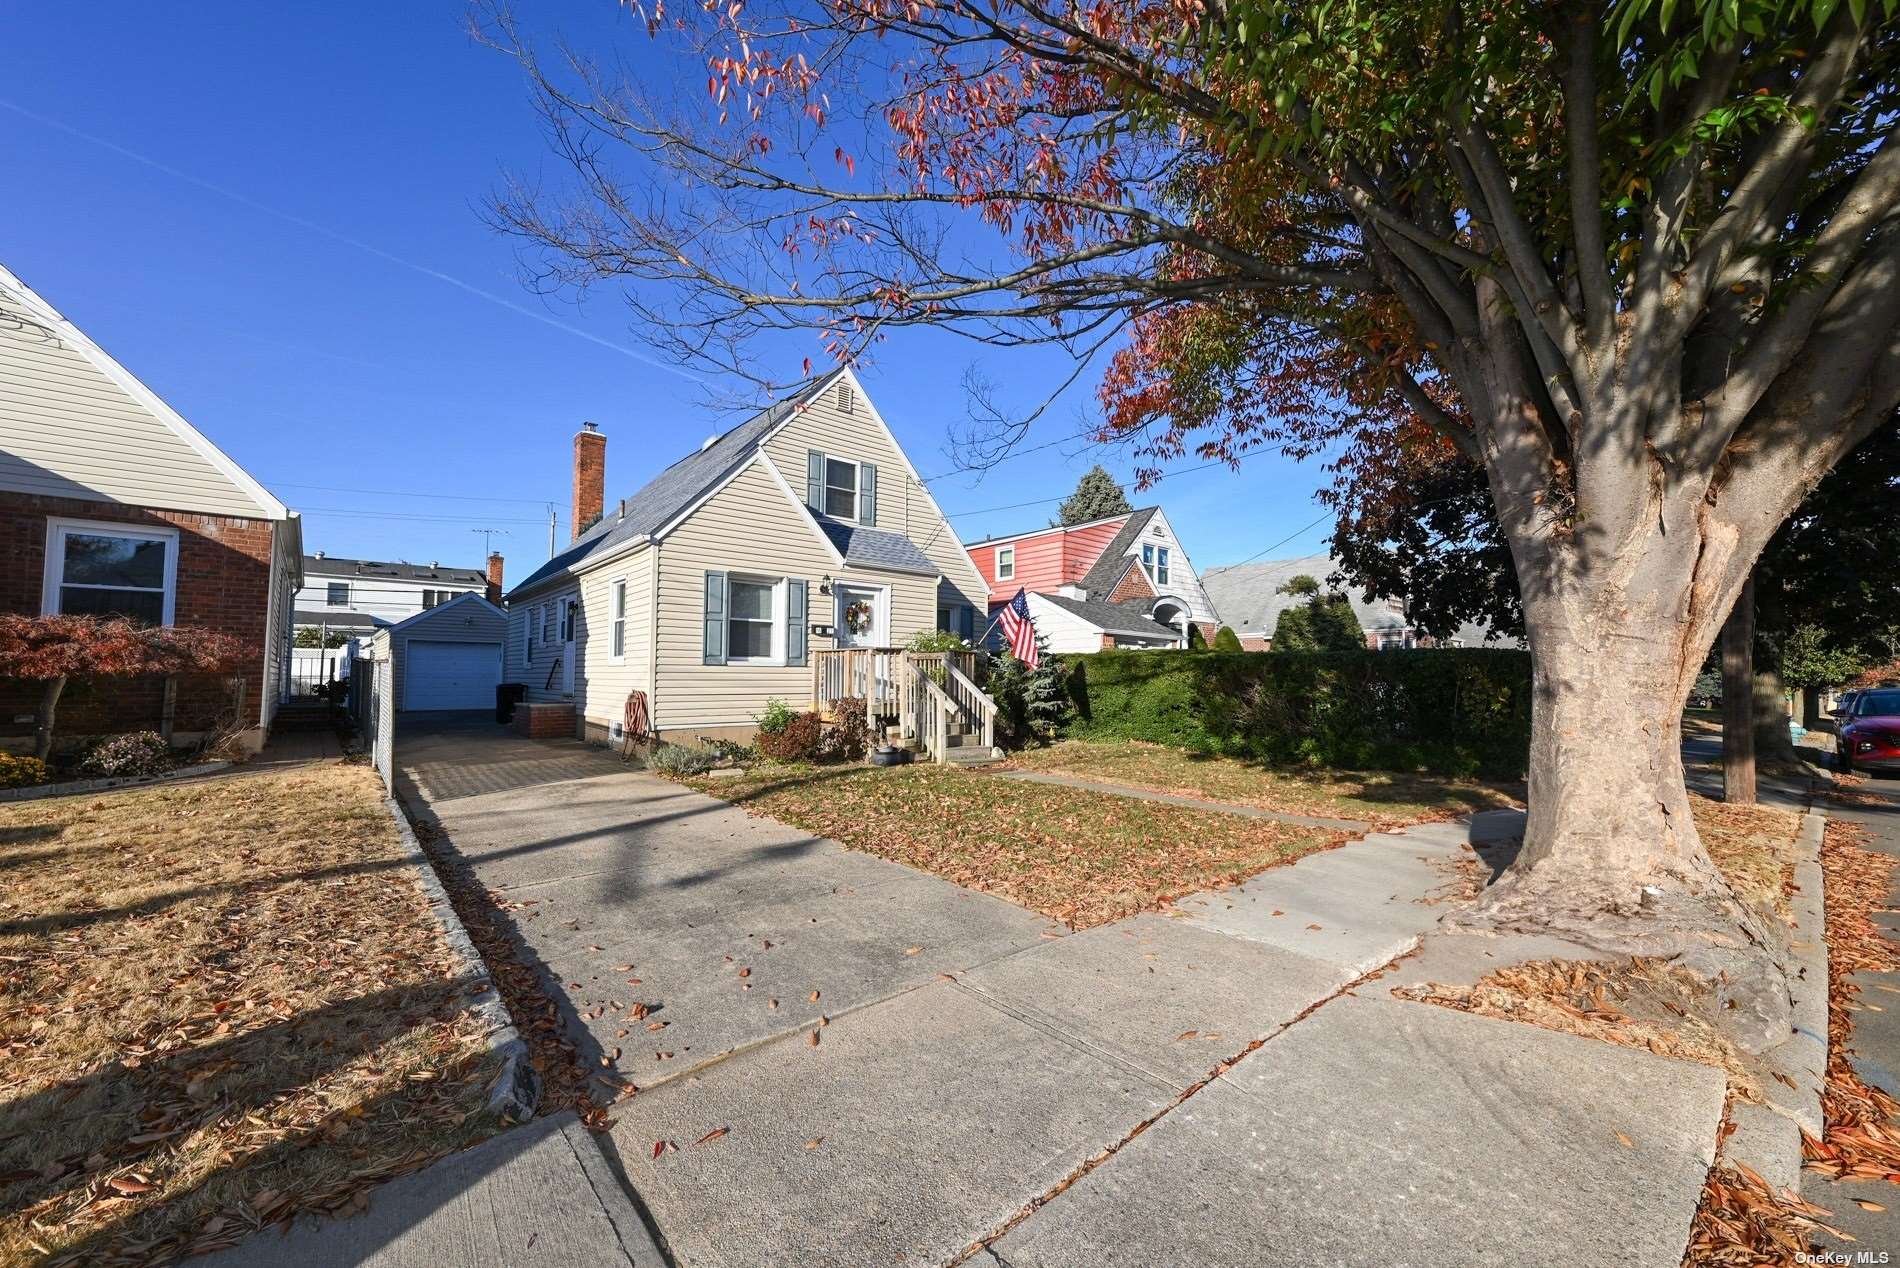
(541, 1194)
(864, 1064)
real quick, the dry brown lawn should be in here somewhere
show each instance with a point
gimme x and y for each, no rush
(1386, 799)
(1080, 857)
(221, 1002)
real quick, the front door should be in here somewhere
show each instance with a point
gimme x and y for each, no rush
(861, 616)
(570, 610)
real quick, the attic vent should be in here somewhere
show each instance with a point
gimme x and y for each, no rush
(708, 443)
(845, 404)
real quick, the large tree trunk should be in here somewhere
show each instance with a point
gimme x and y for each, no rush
(1611, 856)
(1738, 701)
(1774, 743)
(43, 720)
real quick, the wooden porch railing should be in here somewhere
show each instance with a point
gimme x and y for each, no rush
(925, 693)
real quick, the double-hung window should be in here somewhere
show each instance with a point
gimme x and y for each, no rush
(751, 620)
(527, 643)
(429, 599)
(841, 489)
(547, 622)
(617, 621)
(337, 594)
(1005, 563)
(111, 570)
(1154, 562)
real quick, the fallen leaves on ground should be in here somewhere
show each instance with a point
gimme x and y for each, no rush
(1861, 1136)
(1635, 1003)
(1741, 1221)
(1083, 858)
(566, 1082)
(1387, 799)
(227, 1002)
(1754, 847)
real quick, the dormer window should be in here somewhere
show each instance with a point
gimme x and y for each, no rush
(841, 489)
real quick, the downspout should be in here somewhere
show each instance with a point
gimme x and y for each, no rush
(653, 634)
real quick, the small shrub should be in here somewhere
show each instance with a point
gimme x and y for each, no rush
(795, 741)
(678, 760)
(777, 716)
(849, 738)
(1225, 640)
(121, 756)
(729, 752)
(935, 641)
(21, 772)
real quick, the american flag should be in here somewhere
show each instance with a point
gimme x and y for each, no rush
(1019, 632)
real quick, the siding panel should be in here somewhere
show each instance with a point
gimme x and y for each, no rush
(752, 527)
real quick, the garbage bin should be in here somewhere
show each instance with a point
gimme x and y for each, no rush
(507, 696)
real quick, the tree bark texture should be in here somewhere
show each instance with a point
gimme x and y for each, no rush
(1738, 701)
(43, 721)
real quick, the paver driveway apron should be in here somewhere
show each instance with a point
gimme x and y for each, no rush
(972, 1058)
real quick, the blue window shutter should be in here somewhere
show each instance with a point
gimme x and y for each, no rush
(966, 623)
(794, 621)
(815, 480)
(867, 495)
(715, 648)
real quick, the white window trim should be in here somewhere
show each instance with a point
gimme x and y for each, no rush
(56, 529)
(617, 621)
(1006, 568)
(857, 486)
(778, 588)
(1163, 558)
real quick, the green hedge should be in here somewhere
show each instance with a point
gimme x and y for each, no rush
(1458, 711)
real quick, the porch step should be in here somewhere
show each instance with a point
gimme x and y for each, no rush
(971, 755)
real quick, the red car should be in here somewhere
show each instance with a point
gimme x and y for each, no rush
(1870, 732)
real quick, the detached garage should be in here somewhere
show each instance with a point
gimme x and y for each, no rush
(447, 658)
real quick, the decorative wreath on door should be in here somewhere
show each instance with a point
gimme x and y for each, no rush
(858, 616)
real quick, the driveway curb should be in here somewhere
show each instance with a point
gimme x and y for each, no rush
(1767, 1138)
(105, 783)
(516, 1089)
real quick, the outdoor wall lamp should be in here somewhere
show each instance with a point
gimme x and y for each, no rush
(824, 584)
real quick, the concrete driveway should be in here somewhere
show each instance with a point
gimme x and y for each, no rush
(908, 1072)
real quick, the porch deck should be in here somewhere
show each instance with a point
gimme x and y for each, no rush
(932, 696)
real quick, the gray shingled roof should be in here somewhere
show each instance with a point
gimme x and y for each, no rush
(1113, 618)
(670, 492)
(1247, 597)
(334, 566)
(1107, 569)
(873, 548)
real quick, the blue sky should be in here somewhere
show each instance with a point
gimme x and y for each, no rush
(271, 216)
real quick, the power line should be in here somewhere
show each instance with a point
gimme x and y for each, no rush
(409, 493)
(412, 515)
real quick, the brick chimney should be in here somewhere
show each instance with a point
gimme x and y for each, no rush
(494, 578)
(590, 476)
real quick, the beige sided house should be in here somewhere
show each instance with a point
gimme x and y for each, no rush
(789, 558)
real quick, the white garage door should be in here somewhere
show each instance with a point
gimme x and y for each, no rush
(451, 675)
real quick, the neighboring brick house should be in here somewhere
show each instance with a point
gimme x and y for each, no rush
(1250, 601)
(1121, 581)
(110, 502)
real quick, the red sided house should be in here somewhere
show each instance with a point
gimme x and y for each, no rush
(110, 503)
(1122, 581)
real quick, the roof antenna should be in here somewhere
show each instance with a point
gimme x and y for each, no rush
(488, 538)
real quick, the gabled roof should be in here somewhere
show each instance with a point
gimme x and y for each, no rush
(1113, 618)
(674, 490)
(334, 566)
(458, 601)
(96, 408)
(1108, 567)
(873, 548)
